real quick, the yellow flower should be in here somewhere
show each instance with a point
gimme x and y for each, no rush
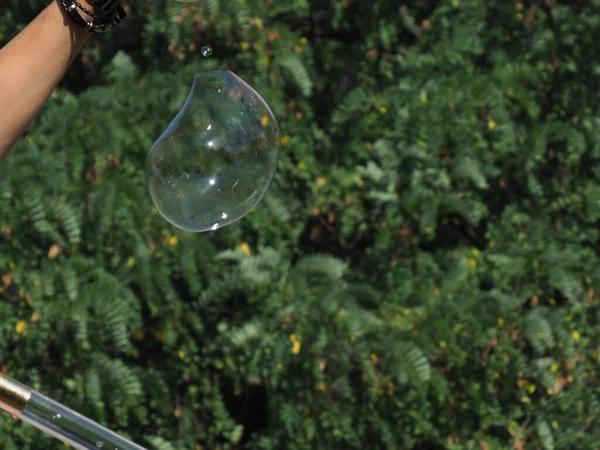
(245, 46)
(576, 335)
(531, 388)
(500, 321)
(173, 240)
(554, 368)
(264, 120)
(374, 358)
(491, 124)
(131, 261)
(266, 61)
(21, 327)
(280, 366)
(181, 354)
(472, 263)
(519, 16)
(321, 181)
(303, 41)
(301, 165)
(285, 139)
(496, 375)
(245, 248)
(296, 346)
(525, 399)
(475, 252)
(383, 110)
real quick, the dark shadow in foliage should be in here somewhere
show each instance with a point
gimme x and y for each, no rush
(250, 408)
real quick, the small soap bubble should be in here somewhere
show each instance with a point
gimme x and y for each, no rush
(216, 160)
(206, 51)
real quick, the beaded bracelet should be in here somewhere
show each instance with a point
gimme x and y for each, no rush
(111, 13)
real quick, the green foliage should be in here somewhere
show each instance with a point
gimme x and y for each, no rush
(422, 274)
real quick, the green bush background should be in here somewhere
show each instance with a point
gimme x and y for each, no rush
(423, 273)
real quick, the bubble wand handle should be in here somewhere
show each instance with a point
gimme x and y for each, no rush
(57, 420)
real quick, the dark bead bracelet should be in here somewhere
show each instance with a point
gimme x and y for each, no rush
(110, 13)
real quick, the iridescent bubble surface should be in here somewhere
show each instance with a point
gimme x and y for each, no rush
(217, 158)
(206, 51)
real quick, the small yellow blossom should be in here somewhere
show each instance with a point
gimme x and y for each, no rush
(472, 263)
(280, 366)
(383, 110)
(321, 181)
(500, 321)
(21, 327)
(576, 335)
(588, 280)
(491, 124)
(496, 375)
(245, 45)
(296, 345)
(519, 16)
(173, 240)
(303, 41)
(525, 400)
(374, 358)
(554, 368)
(285, 139)
(181, 354)
(531, 388)
(301, 165)
(131, 261)
(475, 252)
(521, 383)
(245, 248)
(264, 120)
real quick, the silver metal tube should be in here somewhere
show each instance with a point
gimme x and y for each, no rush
(57, 420)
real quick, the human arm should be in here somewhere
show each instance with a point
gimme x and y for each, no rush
(32, 65)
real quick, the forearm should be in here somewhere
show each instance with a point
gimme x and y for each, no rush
(31, 66)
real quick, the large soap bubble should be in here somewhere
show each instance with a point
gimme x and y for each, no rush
(217, 158)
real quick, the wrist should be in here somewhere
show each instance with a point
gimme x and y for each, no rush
(95, 16)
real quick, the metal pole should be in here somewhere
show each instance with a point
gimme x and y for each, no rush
(57, 420)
